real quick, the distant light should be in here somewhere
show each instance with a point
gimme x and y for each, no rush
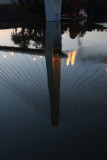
(12, 53)
(4, 56)
(71, 57)
(40, 57)
(34, 59)
(67, 64)
(57, 54)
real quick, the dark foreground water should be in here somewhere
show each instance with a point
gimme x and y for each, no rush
(53, 100)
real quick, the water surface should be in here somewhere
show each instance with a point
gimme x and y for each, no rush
(53, 100)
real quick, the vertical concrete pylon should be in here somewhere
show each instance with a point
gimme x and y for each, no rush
(53, 65)
(53, 10)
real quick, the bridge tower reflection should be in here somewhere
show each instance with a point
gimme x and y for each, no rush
(53, 64)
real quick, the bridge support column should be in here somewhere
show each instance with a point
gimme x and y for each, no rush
(53, 10)
(53, 65)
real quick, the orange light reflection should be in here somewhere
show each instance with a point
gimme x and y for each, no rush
(71, 57)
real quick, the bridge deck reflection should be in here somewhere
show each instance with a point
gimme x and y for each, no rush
(58, 88)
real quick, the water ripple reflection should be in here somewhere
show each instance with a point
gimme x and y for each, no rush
(58, 84)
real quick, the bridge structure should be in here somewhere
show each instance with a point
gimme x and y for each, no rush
(53, 88)
(53, 10)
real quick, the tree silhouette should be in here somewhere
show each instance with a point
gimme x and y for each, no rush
(26, 35)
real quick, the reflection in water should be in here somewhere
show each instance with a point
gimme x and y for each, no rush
(34, 36)
(29, 36)
(71, 57)
(34, 59)
(55, 90)
(4, 56)
(12, 53)
(53, 63)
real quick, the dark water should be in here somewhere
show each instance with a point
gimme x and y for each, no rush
(53, 100)
(7, 1)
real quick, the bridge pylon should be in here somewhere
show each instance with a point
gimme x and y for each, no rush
(53, 10)
(53, 46)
